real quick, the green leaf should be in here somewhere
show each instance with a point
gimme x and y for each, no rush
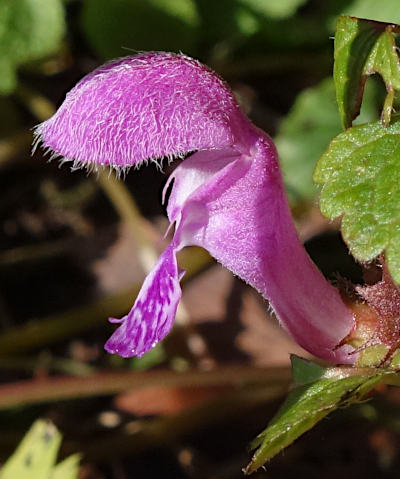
(29, 30)
(383, 11)
(36, 455)
(362, 48)
(67, 469)
(274, 8)
(307, 130)
(304, 407)
(305, 371)
(360, 174)
(115, 27)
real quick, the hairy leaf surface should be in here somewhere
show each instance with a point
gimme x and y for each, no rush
(360, 174)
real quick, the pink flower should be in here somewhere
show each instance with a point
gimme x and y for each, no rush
(227, 197)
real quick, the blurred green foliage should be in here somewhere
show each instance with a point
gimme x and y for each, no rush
(306, 131)
(36, 455)
(282, 9)
(382, 11)
(29, 30)
(122, 27)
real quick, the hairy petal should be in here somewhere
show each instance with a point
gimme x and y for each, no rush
(228, 197)
(193, 173)
(145, 107)
(234, 205)
(241, 216)
(153, 313)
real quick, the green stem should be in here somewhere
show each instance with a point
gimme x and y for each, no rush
(388, 108)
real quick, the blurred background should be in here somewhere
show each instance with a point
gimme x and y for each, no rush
(74, 249)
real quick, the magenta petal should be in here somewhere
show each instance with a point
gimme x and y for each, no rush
(241, 216)
(148, 106)
(191, 174)
(153, 313)
(228, 197)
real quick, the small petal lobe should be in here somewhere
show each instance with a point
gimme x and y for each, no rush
(153, 313)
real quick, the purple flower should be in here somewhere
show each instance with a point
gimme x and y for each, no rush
(227, 197)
